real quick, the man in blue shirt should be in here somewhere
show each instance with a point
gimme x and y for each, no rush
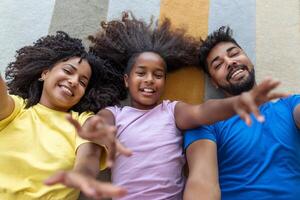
(231, 160)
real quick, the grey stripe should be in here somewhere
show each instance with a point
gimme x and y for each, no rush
(22, 22)
(79, 18)
(240, 16)
(141, 9)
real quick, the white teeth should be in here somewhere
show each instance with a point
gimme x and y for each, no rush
(148, 90)
(67, 90)
(236, 73)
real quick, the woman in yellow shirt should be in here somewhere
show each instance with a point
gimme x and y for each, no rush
(48, 79)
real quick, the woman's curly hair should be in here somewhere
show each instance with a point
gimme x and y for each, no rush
(31, 61)
(121, 41)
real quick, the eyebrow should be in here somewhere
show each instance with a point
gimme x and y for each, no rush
(144, 67)
(215, 59)
(227, 50)
(141, 66)
(75, 68)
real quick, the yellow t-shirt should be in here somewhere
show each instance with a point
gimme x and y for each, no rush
(34, 144)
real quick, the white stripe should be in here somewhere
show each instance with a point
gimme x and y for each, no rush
(278, 42)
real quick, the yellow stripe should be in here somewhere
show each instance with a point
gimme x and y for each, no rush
(186, 84)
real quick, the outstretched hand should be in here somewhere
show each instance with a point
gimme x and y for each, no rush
(88, 185)
(248, 102)
(98, 132)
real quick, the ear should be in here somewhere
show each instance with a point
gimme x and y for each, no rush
(214, 83)
(126, 77)
(44, 74)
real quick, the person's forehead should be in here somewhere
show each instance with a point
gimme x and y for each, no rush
(223, 46)
(219, 49)
(82, 66)
(148, 58)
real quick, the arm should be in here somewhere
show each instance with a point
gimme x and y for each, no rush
(6, 102)
(83, 175)
(100, 130)
(203, 180)
(190, 116)
(297, 115)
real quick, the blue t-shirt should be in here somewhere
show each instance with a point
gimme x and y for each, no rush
(257, 162)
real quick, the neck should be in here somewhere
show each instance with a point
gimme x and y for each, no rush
(231, 95)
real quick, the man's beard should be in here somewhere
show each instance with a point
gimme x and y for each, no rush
(243, 86)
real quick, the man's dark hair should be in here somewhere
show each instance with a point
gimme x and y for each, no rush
(31, 61)
(223, 34)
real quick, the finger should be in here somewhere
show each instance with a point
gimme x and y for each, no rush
(89, 129)
(74, 122)
(248, 106)
(96, 190)
(267, 85)
(108, 190)
(79, 181)
(122, 149)
(244, 116)
(277, 95)
(96, 128)
(111, 147)
(90, 191)
(92, 125)
(59, 177)
(253, 108)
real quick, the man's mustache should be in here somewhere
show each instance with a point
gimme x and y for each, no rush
(234, 68)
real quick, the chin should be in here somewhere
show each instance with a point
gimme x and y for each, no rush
(240, 87)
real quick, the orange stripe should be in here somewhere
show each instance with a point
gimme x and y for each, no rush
(186, 84)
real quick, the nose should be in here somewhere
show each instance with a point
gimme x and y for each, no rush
(230, 63)
(73, 81)
(149, 78)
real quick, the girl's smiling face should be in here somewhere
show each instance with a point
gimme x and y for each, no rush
(146, 80)
(65, 83)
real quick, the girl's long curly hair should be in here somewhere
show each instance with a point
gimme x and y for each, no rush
(31, 61)
(122, 41)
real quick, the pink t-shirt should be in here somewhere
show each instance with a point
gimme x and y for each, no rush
(155, 170)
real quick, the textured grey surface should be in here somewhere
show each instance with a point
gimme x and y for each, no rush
(142, 9)
(21, 24)
(79, 18)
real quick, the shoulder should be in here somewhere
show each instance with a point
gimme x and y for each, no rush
(169, 105)
(19, 101)
(19, 107)
(291, 101)
(19, 104)
(81, 117)
(202, 132)
(115, 110)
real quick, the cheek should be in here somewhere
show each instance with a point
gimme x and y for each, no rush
(219, 75)
(81, 91)
(161, 84)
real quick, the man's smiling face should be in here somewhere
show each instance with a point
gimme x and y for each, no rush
(230, 68)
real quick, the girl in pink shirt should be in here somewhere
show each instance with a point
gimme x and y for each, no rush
(142, 55)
